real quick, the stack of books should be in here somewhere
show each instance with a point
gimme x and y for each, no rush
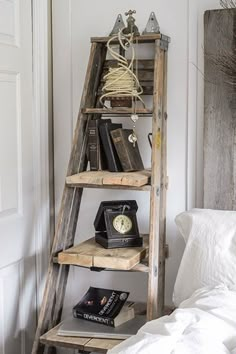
(109, 147)
(104, 306)
(103, 313)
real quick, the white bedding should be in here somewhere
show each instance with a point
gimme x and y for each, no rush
(203, 324)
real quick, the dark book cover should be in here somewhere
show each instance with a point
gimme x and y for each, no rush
(113, 161)
(128, 153)
(100, 305)
(96, 155)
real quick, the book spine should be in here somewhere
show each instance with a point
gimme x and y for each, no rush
(93, 145)
(118, 141)
(109, 149)
(94, 318)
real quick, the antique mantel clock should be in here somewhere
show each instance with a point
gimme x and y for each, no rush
(116, 224)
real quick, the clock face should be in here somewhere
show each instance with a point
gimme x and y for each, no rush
(122, 224)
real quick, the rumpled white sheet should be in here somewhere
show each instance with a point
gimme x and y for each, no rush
(203, 324)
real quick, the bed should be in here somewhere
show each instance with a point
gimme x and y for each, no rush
(205, 323)
(204, 292)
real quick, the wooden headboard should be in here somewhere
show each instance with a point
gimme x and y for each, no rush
(220, 113)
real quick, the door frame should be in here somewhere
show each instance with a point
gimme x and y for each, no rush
(42, 139)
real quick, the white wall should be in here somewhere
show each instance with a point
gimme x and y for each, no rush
(74, 22)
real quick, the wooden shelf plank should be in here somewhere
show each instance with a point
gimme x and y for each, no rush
(147, 38)
(90, 344)
(139, 180)
(146, 188)
(118, 111)
(101, 345)
(51, 338)
(91, 254)
(140, 267)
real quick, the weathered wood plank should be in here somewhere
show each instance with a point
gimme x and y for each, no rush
(146, 86)
(145, 188)
(91, 254)
(119, 111)
(163, 248)
(148, 38)
(132, 179)
(220, 113)
(143, 75)
(52, 339)
(101, 345)
(147, 64)
(154, 304)
(78, 343)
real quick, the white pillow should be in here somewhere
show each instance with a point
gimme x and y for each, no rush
(209, 258)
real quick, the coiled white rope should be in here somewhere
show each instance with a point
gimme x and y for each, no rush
(121, 81)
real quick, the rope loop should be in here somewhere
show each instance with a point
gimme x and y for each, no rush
(121, 81)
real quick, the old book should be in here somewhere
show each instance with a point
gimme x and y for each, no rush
(113, 161)
(104, 306)
(96, 155)
(128, 153)
(74, 327)
(126, 314)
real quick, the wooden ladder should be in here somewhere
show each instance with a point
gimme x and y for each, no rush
(46, 339)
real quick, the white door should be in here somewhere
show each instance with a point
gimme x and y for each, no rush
(17, 260)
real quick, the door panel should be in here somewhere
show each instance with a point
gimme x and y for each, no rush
(17, 261)
(10, 183)
(9, 22)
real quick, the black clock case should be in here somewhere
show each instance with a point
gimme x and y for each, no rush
(112, 205)
(107, 211)
(120, 242)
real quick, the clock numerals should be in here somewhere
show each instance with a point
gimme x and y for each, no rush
(122, 224)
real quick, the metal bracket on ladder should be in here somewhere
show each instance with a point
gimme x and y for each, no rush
(152, 25)
(119, 24)
(163, 44)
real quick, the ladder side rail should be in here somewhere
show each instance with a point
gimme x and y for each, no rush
(163, 190)
(68, 215)
(154, 309)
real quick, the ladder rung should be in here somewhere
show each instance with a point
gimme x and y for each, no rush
(121, 111)
(142, 64)
(148, 38)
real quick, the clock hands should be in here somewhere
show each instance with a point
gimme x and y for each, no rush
(122, 224)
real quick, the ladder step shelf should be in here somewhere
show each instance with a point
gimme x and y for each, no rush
(118, 111)
(90, 254)
(139, 180)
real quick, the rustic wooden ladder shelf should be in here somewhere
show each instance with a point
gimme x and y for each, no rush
(153, 78)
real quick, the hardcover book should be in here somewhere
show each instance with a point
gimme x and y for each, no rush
(102, 306)
(113, 161)
(74, 327)
(96, 154)
(128, 153)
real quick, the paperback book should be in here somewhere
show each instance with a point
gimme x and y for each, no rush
(104, 306)
(74, 327)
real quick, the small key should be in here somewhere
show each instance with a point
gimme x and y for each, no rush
(132, 139)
